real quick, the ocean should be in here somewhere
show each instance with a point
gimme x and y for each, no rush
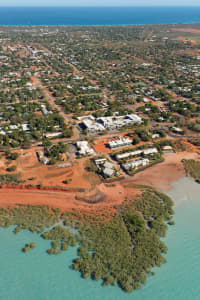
(97, 15)
(36, 275)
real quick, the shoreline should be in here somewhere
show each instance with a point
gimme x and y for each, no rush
(163, 175)
(98, 25)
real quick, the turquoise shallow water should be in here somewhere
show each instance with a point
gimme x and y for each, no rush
(36, 275)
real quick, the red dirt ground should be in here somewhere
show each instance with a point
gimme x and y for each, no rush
(108, 195)
(113, 195)
(190, 30)
(162, 176)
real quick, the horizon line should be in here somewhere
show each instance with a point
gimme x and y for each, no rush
(112, 6)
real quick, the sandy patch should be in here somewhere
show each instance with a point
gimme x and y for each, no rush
(162, 176)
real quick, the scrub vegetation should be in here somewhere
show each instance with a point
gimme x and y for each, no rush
(192, 168)
(124, 250)
(121, 250)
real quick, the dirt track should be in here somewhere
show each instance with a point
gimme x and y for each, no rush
(113, 195)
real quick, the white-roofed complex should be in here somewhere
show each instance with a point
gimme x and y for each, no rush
(110, 123)
(120, 121)
(148, 151)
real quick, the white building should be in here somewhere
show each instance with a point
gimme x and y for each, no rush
(121, 142)
(25, 127)
(110, 123)
(84, 148)
(107, 168)
(53, 134)
(135, 164)
(108, 172)
(155, 136)
(150, 151)
(177, 129)
(93, 126)
(119, 121)
(125, 155)
(128, 154)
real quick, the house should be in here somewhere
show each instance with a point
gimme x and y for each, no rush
(155, 136)
(53, 134)
(42, 158)
(108, 173)
(84, 149)
(100, 161)
(25, 127)
(168, 149)
(135, 164)
(108, 165)
(106, 168)
(177, 129)
(128, 154)
(45, 160)
(150, 151)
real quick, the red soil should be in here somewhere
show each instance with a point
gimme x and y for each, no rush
(106, 195)
(190, 30)
(162, 176)
(113, 195)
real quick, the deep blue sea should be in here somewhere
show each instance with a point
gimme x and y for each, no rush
(38, 276)
(98, 15)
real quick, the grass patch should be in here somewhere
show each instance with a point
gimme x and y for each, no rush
(192, 168)
(10, 179)
(193, 38)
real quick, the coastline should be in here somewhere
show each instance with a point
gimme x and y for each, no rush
(174, 280)
(100, 25)
(163, 175)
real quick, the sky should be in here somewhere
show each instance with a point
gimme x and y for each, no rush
(100, 3)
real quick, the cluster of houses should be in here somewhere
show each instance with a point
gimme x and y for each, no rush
(10, 128)
(106, 168)
(142, 159)
(110, 123)
(126, 155)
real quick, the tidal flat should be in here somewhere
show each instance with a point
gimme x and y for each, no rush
(50, 277)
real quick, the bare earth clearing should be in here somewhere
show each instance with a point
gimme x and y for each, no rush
(101, 196)
(162, 175)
